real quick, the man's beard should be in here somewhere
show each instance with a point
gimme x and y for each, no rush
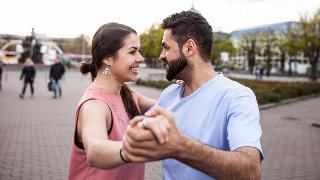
(175, 68)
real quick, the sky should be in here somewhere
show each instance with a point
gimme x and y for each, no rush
(70, 18)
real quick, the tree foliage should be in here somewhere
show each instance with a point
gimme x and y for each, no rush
(310, 41)
(151, 41)
(268, 42)
(78, 45)
(2, 42)
(279, 44)
(221, 43)
(249, 45)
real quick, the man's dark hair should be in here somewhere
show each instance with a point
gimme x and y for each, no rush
(191, 25)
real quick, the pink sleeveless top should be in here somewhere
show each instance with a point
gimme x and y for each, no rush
(79, 168)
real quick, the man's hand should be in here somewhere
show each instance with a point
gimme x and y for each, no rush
(141, 144)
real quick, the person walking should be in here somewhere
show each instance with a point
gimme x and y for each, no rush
(28, 74)
(57, 70)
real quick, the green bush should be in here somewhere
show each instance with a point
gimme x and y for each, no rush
(273, 97)
(265, 91)
(155, 84)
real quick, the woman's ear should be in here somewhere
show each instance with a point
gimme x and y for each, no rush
(108, 61)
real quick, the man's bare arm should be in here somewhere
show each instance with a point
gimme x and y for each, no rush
(243, 163)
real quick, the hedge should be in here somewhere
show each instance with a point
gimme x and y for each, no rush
(265, 91)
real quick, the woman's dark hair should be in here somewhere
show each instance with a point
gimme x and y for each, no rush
(106, 42)
(191, 25)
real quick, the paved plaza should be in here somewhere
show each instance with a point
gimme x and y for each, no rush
(35, 133)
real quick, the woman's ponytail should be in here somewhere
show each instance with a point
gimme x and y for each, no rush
(85, 68)
(129, 104)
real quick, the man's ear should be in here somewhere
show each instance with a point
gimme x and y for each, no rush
(189, 47)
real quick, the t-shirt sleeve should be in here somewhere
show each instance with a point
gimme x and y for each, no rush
(165, 95)
(161, 101)
(243, 120)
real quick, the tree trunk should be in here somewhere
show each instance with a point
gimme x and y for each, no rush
(268, 66)
(314, 66)
(282, 61)
(290, 70)
(251, 62)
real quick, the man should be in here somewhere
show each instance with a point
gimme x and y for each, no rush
(56, 72)
(28, 74)
(214, 129)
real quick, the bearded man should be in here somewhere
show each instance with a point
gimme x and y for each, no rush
(214, 129)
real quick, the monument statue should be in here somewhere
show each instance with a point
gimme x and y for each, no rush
(31, 49)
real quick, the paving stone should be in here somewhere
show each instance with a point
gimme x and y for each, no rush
(35, 133)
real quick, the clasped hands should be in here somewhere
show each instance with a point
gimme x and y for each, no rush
(152, 137)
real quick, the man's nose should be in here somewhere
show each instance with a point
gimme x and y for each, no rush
(162, 56)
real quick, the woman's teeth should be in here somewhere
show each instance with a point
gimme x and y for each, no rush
(134, 69)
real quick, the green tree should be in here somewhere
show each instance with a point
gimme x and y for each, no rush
(280, 45)
(310, 41)
(151, 41)
(249, 44)
(268, 41)
(2, 42)
(221, 43)
(78, 45)
(291, 46)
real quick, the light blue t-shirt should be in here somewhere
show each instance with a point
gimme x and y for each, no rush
(221, 113)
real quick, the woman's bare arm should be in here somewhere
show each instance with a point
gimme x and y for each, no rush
(95, 120)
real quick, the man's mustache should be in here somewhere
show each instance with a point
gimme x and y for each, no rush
(165, 63)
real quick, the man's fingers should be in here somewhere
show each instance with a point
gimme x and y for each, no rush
(152, 145)
(165, 132)
(130, 157)
(138, 154)
(139, 134)
(135, 120)
(137, 158)
(159, 132)
(159, 129)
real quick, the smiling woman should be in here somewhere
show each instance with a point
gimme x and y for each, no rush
(106, 107)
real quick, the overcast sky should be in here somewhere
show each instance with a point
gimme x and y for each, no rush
(70, 18)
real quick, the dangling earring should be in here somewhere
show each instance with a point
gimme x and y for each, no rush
(106, 71)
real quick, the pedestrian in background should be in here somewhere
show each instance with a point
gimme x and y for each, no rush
(56, 72)
(28, 74)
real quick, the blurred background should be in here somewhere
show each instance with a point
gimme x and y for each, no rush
(271, 46)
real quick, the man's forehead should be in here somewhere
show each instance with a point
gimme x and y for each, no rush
(167, 36)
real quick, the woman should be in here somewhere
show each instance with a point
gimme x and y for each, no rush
(28, 73)
(106, 107)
